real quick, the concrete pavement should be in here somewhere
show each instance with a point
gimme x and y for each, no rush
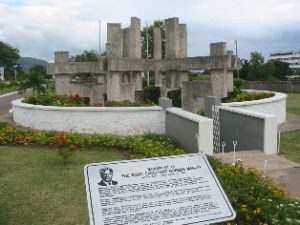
(5, 105)
(281, 169)
(292, 123)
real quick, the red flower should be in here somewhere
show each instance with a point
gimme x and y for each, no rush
(73, 147)
(60, 139)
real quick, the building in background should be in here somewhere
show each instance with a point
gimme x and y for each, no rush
(1, 73)
(291, 57)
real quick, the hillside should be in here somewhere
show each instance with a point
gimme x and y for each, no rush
(27, 62)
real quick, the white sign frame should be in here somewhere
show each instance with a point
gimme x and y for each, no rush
(161, 169)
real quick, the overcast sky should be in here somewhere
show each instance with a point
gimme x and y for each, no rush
(40, 27)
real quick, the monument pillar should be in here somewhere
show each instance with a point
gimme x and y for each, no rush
(182, 35)
(114, 36)
(176, 47)
(62, 80)
(172, 37)
(172, 48)
(135, 50)
(230, 74)
(114, 50)
(218, 76)
(157, 54)
(114, 86)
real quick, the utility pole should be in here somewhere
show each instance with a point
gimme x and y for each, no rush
(15, 67)
(147, 53)
(238, 61)
(99, 38)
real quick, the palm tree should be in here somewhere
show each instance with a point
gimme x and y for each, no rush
(34, 79)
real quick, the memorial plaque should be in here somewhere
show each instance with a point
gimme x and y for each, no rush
(158, 191)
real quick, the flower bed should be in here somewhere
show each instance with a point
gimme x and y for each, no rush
(247, 96)
(255, 199)
(77, 101)
(149, 145)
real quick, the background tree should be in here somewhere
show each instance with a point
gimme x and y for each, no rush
(157, 23)
(257, 69)
(39, 69)
(282, 69)
(8, 59)
(268, 70)
(256, 62)
(245, 64)
(87, 56)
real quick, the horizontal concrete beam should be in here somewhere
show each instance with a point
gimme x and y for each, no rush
(127, 64)
(76, 67)
(180, 64)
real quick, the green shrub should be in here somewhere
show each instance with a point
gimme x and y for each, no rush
(237, 83)
(151, 94)
(127, 103)
(195, 77)
(175, 95)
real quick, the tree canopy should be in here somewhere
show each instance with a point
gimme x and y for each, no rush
(257, 69)
(87, 56)
(157, 23)
(8, 58)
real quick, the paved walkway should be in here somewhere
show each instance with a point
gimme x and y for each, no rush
(292, 123)
(279, 168)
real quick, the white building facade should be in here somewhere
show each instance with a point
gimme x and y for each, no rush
(290, 57)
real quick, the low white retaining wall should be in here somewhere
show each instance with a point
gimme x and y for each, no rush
(275, 105)
(100, 120)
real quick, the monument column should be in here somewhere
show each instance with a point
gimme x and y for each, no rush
(183, 75)
(157, 54)
(62, 80)
(230, 74)
(135, 50)
(172, 48)
(114, 50)
(218, 76)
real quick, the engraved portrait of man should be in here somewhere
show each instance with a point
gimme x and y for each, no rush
(106, 175)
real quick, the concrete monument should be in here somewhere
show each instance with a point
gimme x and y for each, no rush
(118, 75)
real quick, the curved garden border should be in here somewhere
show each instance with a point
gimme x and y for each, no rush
(275, 105)
(100, 120)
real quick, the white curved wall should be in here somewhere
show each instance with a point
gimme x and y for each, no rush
(100, 120)
(275, 105)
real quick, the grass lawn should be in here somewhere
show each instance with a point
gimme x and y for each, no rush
(293, 103)
(290, 145)
(35, 187)
(8, 89)
(290, 142)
